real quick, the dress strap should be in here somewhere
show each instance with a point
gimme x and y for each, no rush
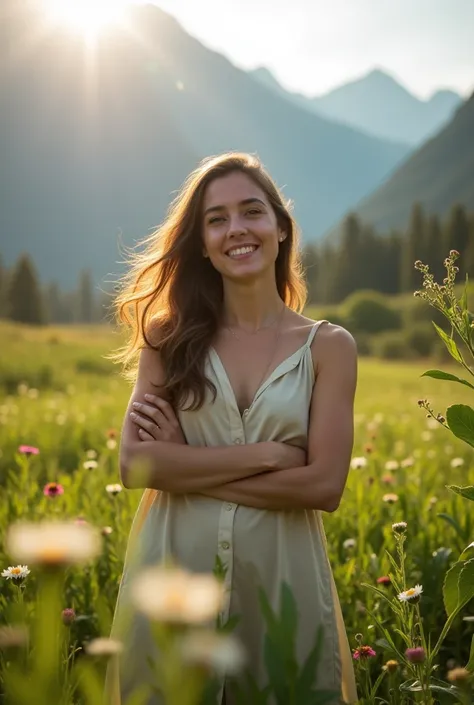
(313, 331)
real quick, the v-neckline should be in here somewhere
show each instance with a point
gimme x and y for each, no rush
(264, 384)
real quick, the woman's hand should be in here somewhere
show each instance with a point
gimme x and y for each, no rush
(157, 421)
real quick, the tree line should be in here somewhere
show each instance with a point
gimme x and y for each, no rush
(359, 259)
(364, 259)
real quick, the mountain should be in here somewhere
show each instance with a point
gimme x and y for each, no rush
(97, 142)
(437, 175)
(378, 105)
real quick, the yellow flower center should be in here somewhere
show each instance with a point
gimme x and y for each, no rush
(16, 571)
(411, 592)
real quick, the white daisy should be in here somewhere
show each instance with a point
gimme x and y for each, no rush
(176, 595)
(219, 651)
(103, 646)
(113, 489)
(53, 543)
(357, 463)
(349, 543)
(457, 462)
(90, 464)
(411, 595)
(17, 572)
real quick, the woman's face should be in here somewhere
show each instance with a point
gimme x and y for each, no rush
(239, 227)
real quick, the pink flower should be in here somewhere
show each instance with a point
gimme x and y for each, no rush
(416, 654)
(29, 450)
(384, 580)
(53, 489)
(363, 652)
(68, 615)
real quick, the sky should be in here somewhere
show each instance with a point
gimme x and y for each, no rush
(312, 46)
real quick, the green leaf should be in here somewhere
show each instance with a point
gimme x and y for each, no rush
(449, 342)
(466, 583)
(439, 374)
(450, 588)
(460, 418)
(289, 612)
(466, 492)
(470, 663)
(453, 522)
(307, 675)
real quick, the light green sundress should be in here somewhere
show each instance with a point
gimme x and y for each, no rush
(258, 547)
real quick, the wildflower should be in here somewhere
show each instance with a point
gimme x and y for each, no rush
(111, 433)
(111, 443)
(91, 454)
(52, 543)
(349, 543)
(388, 479)
(221, 652)
(175, 595)
(13, 636)
(416, 654)
(392, 465)
(113, 489)
(363, 652)
(103, 646)
(90, 464)
(53, 489)
(384, 580)
(391, 666)
(28, 450)
(390, 498)
(457, 462)
(407, 462)
(399, 527)
(68, 616)
(368, 448)
(411, 595)
(106, 530)
(357, 463)
(17, 573)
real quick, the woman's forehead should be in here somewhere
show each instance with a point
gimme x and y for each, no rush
(232, 189)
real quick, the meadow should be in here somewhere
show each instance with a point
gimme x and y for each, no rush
(60, 396)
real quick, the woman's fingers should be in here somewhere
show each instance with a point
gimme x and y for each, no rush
(151, 411)
(144, 435)
(143, 422)
(164, 406)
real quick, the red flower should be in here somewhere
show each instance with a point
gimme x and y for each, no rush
(384, 580)
(28, 450)
(68, 615)
(363, 652)
(415, 655)
(53, 489)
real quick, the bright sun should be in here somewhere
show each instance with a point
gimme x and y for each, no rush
(88, 17)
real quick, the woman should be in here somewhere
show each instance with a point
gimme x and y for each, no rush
(244, 447)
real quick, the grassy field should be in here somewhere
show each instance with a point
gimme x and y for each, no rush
(62, 397)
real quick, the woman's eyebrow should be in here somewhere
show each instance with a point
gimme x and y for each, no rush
(245, 202)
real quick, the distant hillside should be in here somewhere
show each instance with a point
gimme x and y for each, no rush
(96, 145)
(377, 104)
(437, 175)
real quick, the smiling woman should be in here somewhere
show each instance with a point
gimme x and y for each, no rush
(88, 17)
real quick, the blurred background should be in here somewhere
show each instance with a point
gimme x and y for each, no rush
(363, 112)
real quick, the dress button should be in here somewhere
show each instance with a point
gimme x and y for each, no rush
(229, 506)
(246, 411)
(225, 545)
(238, 440)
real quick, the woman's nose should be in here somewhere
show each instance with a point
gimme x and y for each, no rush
(236, 225)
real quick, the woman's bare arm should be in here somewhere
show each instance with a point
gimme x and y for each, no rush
(320, 483)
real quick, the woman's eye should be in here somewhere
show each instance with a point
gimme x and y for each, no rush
(254, 211)
(216, 219)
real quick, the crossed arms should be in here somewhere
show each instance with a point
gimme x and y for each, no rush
(267, 475)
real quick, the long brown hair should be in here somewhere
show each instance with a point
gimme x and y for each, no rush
(173, 287)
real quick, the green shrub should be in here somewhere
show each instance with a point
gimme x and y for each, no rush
(392, 345)
(364, 344)
(370, 312)
(421, 338)
(336, 318)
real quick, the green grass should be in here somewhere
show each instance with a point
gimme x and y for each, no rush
(80, 397)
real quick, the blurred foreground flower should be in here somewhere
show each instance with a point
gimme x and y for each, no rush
(103, 646)
(384, 580)
(363, 652)
(53, 543)
(411, 595)
(53, 489)
(390, 498)
(221, 652)
(17, 573)
(13, 636)
(459, 676)
(28, 450)
(175, 595)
